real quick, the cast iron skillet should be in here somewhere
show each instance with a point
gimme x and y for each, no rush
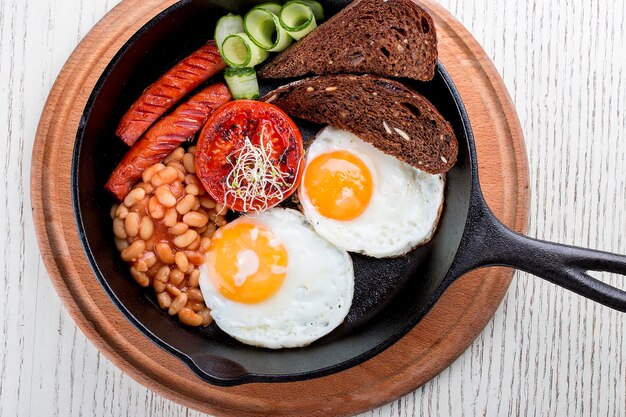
(391, 295)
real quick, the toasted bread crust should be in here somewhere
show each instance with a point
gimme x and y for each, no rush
(391, 38)
(392, 117)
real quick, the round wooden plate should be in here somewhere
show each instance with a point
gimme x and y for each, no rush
(434, 344)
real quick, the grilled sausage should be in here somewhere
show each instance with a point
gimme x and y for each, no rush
(165, 136)
(169, 90)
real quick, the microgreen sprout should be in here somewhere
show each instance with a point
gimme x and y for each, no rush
(254, 177)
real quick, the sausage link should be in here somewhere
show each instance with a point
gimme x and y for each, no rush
(168, 90)
(165, 136)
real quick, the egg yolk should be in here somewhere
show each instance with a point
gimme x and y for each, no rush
(338, 184)
(248, 262)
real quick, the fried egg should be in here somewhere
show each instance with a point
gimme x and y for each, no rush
(365, 201)
(271, 281)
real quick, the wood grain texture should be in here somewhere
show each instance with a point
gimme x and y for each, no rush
(432, 346)
(546, 351)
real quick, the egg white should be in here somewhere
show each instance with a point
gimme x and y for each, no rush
(315, 296)
(402, 213)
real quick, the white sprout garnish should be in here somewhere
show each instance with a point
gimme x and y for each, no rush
(254, 177)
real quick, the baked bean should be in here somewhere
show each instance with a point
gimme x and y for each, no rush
(164, 252)
(159, 286)
(166, 176)
(179, 228)
(146, 176)
(195, 219)
(118, 228)
(147, 187)
(192, 150)
(185, 239)
(154, 269)
(194, 279)
(180, 170)
(205, 313)
(131, 224)
(150, 258)
(121, 244)
(178, 166)
(189, 317)
(134, 250)
(207, 202)
(134, 196)
(171, 218)
(194, 294)
(142, 265)
(173, 290)
(176, 155)
(181, 261)
(141, 278)
(146, 228)
(220, 208)
(178, 303)
(210, 230)
(189, 161)
(218, 219)
(178, 189)
(162, 274)
(176, 276)
(165, 300)
(172, 195)
(195, 245)
(195, 257)
(165, 196)
(195, 306)
(156, 210)
(205, 243)
(191, 179)
(122, 211)
(185, 204)
(192, 189)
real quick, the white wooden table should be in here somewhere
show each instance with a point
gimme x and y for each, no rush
(546, 352)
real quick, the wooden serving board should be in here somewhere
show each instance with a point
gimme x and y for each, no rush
(434, 344)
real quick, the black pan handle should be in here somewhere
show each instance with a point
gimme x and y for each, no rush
(487, 242)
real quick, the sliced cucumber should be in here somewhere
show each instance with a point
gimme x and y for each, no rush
(297, 19)
(265, 30)
(242, 83)
(226, 26)
(316, 8)
(270, 7)
(238, 50)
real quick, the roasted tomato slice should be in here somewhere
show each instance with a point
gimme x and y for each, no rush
(249, 156)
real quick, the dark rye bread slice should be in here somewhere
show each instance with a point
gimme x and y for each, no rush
(392, 117)
(391, 38)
